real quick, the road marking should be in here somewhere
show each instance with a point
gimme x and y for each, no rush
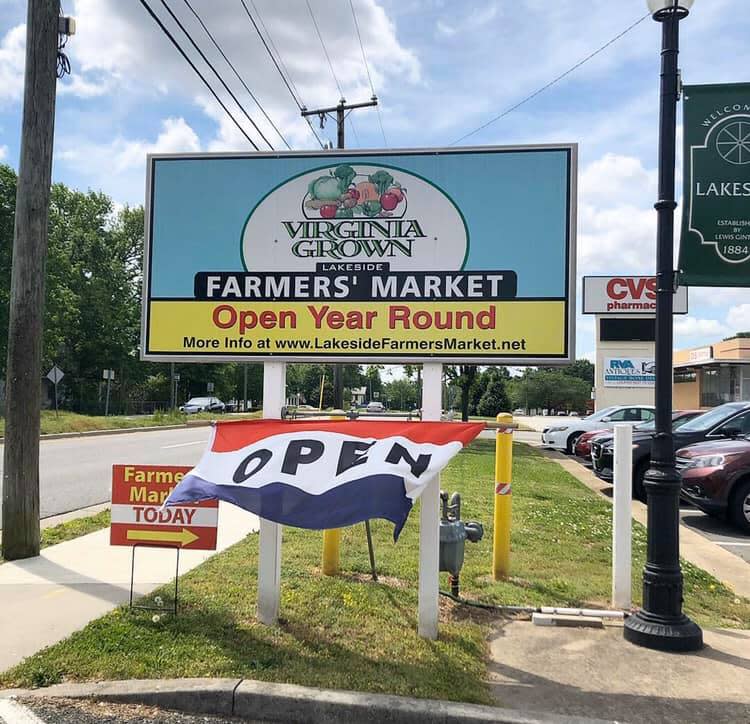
(54, 593)
(729, 543)
(13, 713)
(184, 444)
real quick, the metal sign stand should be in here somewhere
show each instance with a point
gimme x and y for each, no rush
(140, 607)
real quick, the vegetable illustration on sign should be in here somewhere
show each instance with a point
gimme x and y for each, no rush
(343, 193)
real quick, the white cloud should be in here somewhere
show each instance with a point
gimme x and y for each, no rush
(77, 85)
(617, 226)
(118, 167)
(3, 153)
(618, 179)
(126, 55)
(738, 318)
(689, 326)
(12, 62)
(122, 155)
(718, 296)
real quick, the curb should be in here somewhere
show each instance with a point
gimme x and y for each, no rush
(263, 701)
(120, 430)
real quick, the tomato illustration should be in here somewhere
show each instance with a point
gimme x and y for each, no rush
(389, 201)
(328, 211)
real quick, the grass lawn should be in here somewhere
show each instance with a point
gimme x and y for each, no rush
(73, 422)
(72, 529)
(349, 633)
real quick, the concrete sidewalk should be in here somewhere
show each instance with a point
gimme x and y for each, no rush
(47, 598)
(596, 673)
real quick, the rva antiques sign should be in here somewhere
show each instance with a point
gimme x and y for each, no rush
(715, 240)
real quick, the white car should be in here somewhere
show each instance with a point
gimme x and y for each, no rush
(375, 407)
(202, 404)
(563, 435)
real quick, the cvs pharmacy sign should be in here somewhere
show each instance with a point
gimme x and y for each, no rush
(626, 295)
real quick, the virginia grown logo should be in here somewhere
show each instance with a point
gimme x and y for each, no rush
(355, 213)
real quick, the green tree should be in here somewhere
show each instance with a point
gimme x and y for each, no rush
(402, 394)
(464, 377)
(549, 389)
(495, 398)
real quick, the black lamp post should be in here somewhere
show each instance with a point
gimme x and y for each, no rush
(661, 624)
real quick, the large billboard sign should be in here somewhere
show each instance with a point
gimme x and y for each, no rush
(715, 239)
(620, 295)
(456, 255)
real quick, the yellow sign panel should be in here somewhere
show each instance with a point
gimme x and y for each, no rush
(439, 329)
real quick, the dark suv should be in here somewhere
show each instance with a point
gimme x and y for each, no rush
(726, 421)
(716, 478)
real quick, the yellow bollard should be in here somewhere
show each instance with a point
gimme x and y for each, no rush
(503, 498)
(332, 538)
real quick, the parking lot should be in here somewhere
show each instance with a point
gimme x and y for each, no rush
(718, 531)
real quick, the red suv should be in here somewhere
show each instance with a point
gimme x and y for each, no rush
(716, 478)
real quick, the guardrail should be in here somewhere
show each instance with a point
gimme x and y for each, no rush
(291, 414)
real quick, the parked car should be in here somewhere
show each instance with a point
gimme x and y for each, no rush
(726, 421)
(375, 406)
(716, 478)
(583, 444)
(563, 435)
(202, 404)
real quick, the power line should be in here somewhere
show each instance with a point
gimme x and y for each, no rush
(277, 52)
(367, 68)
(325, 50)
(236, 72)
(552, 82)
(330, 64)
(197, 72)
(275, 62)
(215, 72)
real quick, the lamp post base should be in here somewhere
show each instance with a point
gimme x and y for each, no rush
(663, 633)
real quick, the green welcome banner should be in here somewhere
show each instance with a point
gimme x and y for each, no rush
(715, 239)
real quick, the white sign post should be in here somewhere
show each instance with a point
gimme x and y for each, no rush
(429, 514)
(622, 522)
(269, 542)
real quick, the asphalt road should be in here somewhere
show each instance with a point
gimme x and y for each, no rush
(77, 472)
(718, 531)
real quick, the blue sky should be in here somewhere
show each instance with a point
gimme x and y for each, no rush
(440, 69)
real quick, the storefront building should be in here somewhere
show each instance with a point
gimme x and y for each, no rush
(709, 376)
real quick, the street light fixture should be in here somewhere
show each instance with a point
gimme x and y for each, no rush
(661, 624)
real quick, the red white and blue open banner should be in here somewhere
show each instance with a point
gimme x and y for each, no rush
(323, 474)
